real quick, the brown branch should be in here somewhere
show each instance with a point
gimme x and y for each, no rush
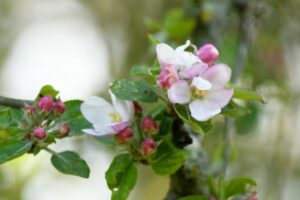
(14, 103)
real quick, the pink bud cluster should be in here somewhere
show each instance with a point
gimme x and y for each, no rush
(47, 104)
(36, 113)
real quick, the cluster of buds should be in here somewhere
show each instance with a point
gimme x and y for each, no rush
(47, 104)
(43, 118)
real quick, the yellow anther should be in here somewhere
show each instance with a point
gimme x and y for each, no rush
(198, 93)
(115, 117)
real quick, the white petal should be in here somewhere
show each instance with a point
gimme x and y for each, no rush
(96, 110)
(201, 84)
(203, 110)
(218, 75)
(179, 92)
(183, 47)
(220, 97)
(123, 107)
(165, 54)
(100, 131)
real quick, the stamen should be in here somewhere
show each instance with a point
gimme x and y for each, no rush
(115, 117)
(198, 93)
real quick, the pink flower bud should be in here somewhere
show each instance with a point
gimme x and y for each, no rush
(39, 133)
(167, 77)
(149, 126)
(208, 53)
(124, 136)
(254, 197)
(46, 103)
(59, 107)
(148, 146)
(30, 109)
(137, 108)
(63, 130)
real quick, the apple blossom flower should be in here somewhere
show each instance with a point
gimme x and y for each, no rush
(205, 94)
(107, 118)
(188, 64)
(208, 53)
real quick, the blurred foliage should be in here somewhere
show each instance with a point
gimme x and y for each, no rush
(274, 28)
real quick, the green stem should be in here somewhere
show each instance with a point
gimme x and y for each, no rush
(49, 150)
(14, 103)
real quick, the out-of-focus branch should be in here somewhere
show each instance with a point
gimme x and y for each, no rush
(14, 103)
(244, 11)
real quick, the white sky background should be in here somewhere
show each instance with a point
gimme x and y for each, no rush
(57, 45)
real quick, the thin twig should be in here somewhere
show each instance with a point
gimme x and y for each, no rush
(14, 103)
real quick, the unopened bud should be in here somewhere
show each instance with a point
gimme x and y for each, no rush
(46, 103)
(30, 109)
(64, 131)
(148, 146)
(59, 107)
(254, 197)
(39, 133)
(208, 53)
(124, 136)
(149, 126)
(137, 108)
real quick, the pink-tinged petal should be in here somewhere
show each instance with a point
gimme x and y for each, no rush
(167, 77)
(218, 75)
(123, 107)
(165, 54)
(203, 110)
(220, 97)
(100, 131)
(117, 127)
(97, 110)
(194, 70)
(201, 84)
(179, 92)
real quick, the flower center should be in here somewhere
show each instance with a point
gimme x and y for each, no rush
(115, 117)
(198, 93)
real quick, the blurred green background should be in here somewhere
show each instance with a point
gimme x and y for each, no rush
(79, 46)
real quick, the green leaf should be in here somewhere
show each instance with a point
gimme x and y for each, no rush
(234, 110)
(48, 90)
(145, 71)
(74, 118)
(168, 159)
(165, 125)
(5, 117)
(194, 197)
(121, 176)
(69, 162)
(198, 127)
(246, 94)
(135, 91)
(14, 132)
(237, 186)
(11, 148)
